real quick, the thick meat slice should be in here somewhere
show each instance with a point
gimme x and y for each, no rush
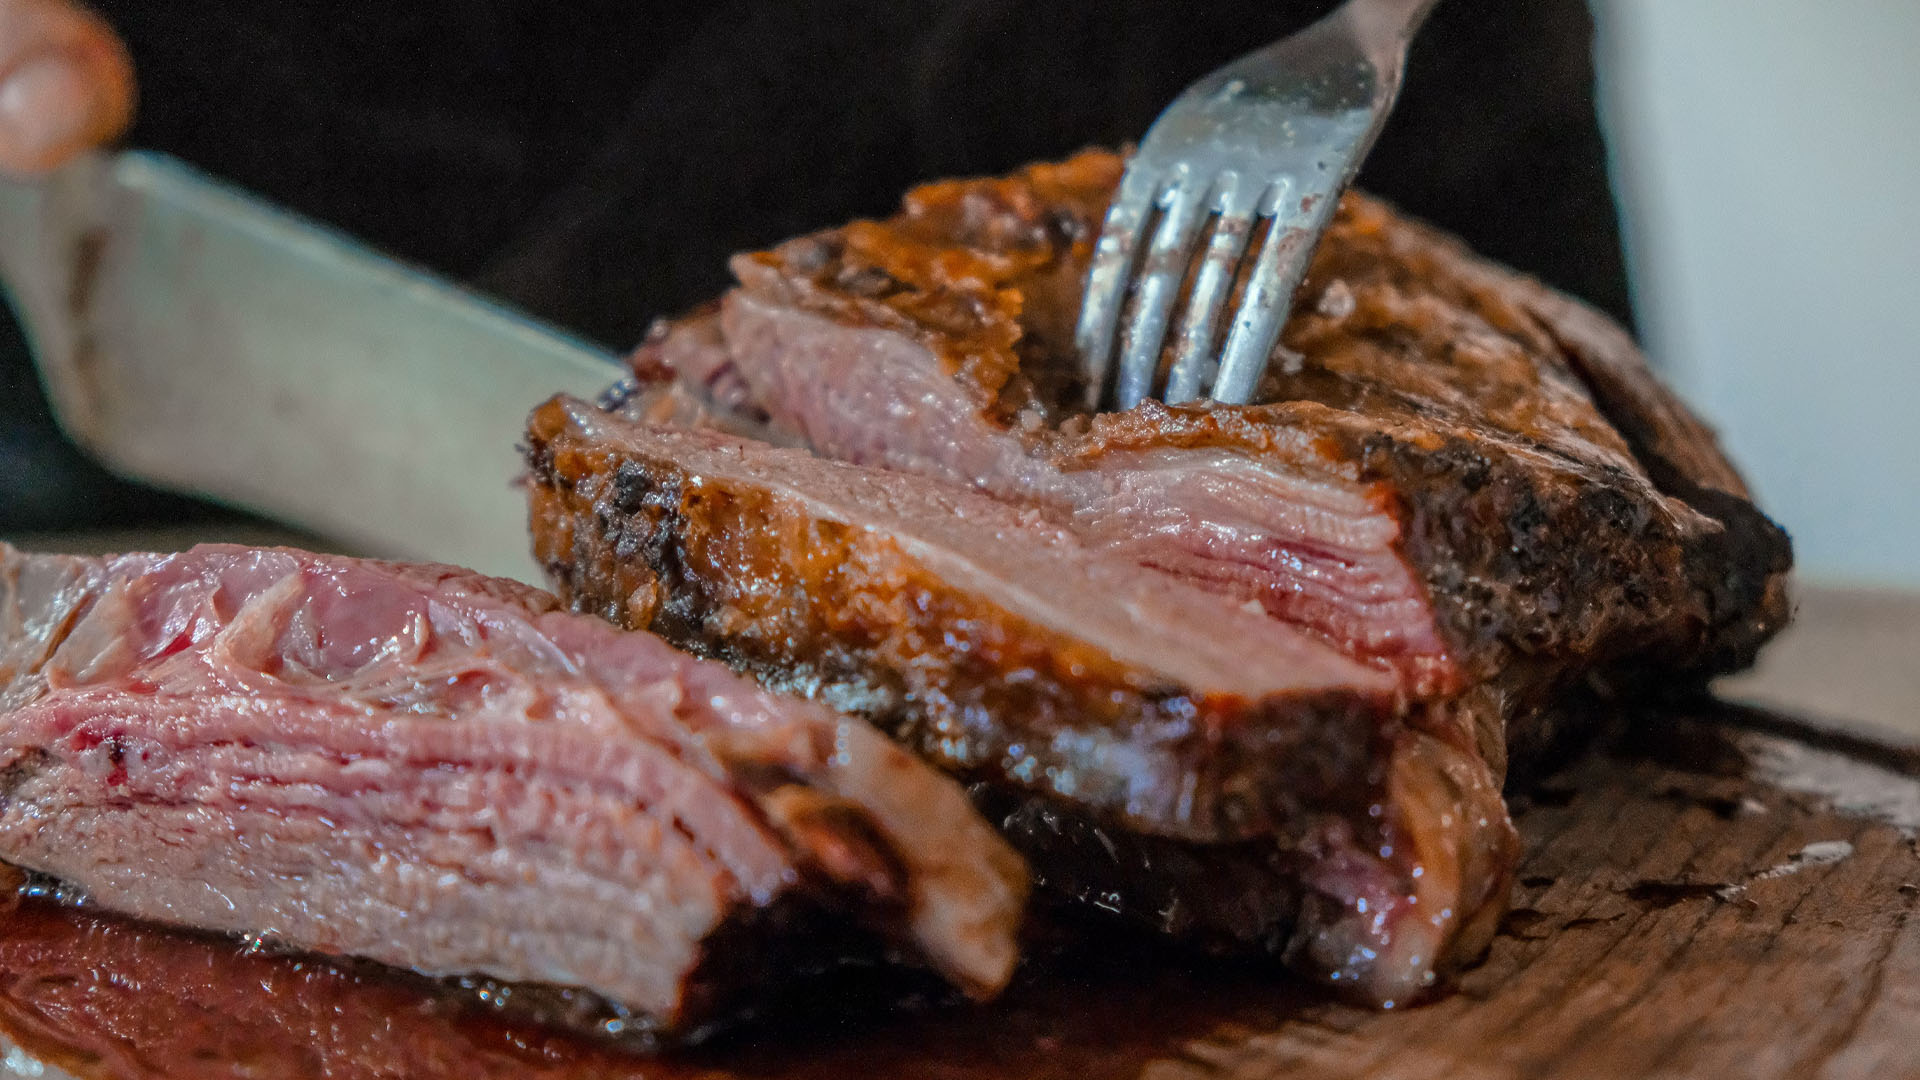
(1059, 676)
(438, 771)
(994, 643)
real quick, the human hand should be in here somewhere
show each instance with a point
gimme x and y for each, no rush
(66, 83)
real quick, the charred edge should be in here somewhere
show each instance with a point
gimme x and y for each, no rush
(1747, 599)
(1497, 559)
(1751, 557)
(1751, 554)
(1521, 599)
(641, 520)
(1518, 599)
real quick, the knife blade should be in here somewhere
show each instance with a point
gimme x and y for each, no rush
(195, 337)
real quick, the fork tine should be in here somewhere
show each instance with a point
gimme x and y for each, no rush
(1263, 309)
(1107, 279)
(1193, 348)
(1164, 268)
(1302, 113)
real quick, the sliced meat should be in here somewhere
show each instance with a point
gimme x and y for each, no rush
(1138, 735)
(439, 771)
(1462, 483)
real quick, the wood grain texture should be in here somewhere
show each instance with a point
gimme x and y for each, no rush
(1691, 905)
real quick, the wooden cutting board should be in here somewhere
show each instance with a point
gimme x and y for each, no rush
(1718, 893)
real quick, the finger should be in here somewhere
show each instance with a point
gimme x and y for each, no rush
(66, 84)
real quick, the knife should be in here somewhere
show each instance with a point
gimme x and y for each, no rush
(195, 337)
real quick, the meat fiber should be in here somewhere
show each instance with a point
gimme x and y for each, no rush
(439, 771)
(1462, 482)
(1008, 651)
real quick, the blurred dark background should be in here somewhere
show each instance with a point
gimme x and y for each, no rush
(596, 161)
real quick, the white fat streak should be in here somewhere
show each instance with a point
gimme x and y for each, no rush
(1818, 853)
(1850, 786)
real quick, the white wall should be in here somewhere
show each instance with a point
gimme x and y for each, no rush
(1767, 153)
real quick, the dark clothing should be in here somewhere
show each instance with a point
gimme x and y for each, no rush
(596, 161)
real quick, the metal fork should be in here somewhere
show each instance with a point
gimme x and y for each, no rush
(1277, 134)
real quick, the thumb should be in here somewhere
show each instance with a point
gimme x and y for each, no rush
(66, 84)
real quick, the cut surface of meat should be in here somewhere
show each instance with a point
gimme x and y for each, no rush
(1003, 646)
(1155, 745)
(1460, 482)
(439, 771)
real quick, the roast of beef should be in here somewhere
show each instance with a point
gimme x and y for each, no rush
(440, 771)
(1252, 675)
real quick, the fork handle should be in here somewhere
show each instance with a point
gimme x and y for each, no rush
(1379, 30)
(1385, 27)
